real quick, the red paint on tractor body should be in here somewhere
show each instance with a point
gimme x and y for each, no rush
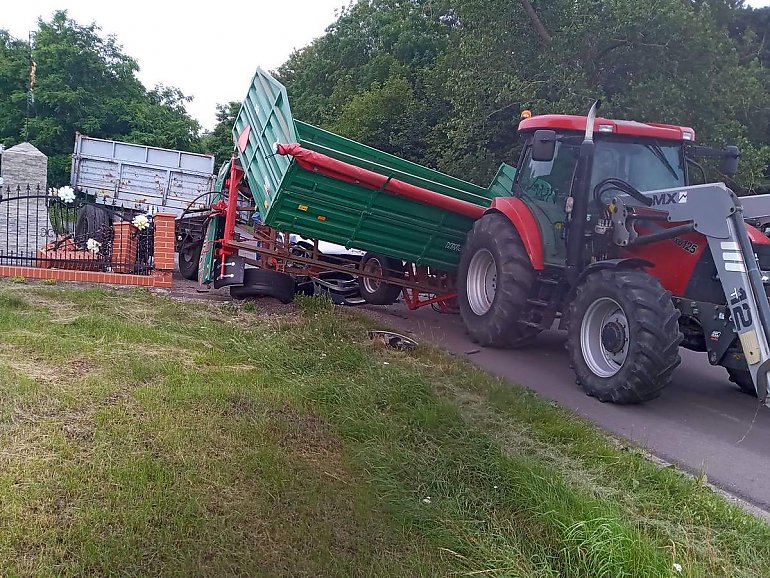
(756, 236)
(675, 259)
(618, 127)
(522, 218)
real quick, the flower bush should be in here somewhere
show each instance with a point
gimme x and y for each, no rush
(141, 222)
(94, 246)
(65, 194)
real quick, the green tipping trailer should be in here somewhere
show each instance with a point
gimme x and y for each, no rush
(416, 214)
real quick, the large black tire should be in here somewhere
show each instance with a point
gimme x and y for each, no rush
(93, 223)
(742, 378)
(623, 336)
(494, 282)
(189, 258)
(265, 283)
(377, 292)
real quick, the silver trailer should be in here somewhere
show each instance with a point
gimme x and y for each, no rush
(141, 178)
(122, 180)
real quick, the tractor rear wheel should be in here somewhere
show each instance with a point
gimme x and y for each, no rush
(623, 336)
(742, 378)
(494, 282)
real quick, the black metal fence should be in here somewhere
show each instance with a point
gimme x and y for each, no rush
(40, 229)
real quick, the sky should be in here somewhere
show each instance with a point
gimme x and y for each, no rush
(209, 51)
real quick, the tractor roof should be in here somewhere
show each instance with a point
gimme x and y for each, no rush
(605, 125)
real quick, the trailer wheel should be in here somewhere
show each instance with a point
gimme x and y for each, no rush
(189, 258)
(742, 378)
(623, 336)
(265, 283)
(377, 292)
(93, 223)
(494, 280)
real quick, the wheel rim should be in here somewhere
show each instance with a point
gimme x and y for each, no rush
(481, 283)
(604, 337)
(373, 267)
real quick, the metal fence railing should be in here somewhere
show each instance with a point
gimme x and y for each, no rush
(38, 229)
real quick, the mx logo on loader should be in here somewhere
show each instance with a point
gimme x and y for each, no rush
(677, 197)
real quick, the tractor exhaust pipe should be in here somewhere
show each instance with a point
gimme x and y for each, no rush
(580, 194)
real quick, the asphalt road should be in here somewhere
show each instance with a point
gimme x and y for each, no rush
(702, 422)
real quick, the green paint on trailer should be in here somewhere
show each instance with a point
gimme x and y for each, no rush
(290, 198)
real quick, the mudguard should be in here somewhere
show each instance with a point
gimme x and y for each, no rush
(526, 225)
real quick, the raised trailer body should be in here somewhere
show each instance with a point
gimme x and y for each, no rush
(319, 185)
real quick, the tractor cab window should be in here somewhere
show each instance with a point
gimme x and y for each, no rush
(549, 182)
(647, 165)
(545, 186)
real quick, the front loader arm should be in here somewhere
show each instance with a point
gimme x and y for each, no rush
(716, 212)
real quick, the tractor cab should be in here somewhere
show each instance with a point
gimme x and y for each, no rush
(647, 156)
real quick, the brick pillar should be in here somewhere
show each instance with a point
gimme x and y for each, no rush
(125, 245)
(164, 249)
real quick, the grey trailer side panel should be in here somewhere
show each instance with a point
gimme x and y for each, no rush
(139, 177)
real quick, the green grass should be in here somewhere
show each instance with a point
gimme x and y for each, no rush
(142, 436)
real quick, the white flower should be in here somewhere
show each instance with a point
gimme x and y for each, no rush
(93, 245)
(141, 222)
(66, 194)
(426, 500)
(677, 567)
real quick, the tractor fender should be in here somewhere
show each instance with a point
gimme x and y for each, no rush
(521, 217)
(627, 263)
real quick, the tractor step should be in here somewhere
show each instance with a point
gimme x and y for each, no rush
(545, 296)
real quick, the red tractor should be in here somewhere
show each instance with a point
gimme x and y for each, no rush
(605, 233)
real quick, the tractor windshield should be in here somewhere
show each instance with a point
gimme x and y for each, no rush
(646, 164)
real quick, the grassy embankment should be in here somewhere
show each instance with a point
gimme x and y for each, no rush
(142, 436)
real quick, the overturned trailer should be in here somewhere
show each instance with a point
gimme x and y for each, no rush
(410, 221)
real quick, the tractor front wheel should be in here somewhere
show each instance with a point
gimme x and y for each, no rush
(623, 336)
(494, 282)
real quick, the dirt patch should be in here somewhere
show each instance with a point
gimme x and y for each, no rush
(309, 437)
(26, 363)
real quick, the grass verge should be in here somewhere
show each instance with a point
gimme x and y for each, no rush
(142, 436)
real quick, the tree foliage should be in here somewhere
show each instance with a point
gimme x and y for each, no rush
(84, 82)
(219, 141)
(444, 82)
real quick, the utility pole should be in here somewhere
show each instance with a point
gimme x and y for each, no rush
(30, 95)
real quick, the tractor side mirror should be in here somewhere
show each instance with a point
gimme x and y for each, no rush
(544, 145)
(730, 161)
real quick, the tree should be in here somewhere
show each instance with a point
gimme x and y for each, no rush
(85, 83)
(219, 141)
(444, 84)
